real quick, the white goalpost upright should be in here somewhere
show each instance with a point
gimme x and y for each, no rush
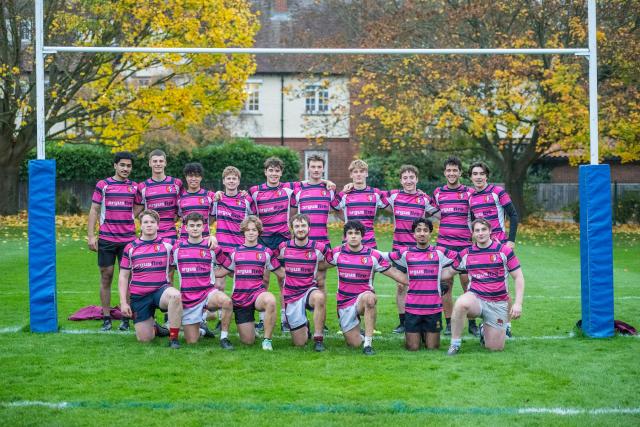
(597, 276)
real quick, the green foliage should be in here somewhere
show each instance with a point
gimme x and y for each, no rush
(574, 208)
(627, 208)
(88, 164)
(384, 169)
(67, 203)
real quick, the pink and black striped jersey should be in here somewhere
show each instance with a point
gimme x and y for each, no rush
(228, 213)
(424, 267)
(149, 262)
(116, 200)
(273, 205)
(355, 271)
(406, 208)
(489, 204)
(315, 200)
(455, 219)
(248, 265)
(195, 264)
(488, 269)
(300, 267)
(162, 197)
(362, 205)
(201, 202)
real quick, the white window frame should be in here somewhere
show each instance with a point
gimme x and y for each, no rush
(322, 153)
(312, 103)
(252, 103)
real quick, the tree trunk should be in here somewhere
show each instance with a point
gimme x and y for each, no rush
(514, 184)
(9, 186)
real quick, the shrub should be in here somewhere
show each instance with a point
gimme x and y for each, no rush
(627, 208)
(67, 203)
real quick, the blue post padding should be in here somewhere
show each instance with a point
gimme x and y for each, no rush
(43, 305)
(596, 251)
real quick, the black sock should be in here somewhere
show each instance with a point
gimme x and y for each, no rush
(105, 318)
(448, 319)
(472, 322)
(125, 319)
(401, 317)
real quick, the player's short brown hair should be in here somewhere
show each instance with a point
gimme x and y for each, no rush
(409, 168)
(358, 164)
(273, 162)
(150, 212)
(251, 219)
(231, 170)
(193, 216)
(157, 152)
(299, 217)
(315, 158)
(480, 221)
(482, 165)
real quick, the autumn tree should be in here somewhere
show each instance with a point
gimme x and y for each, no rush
(95, 98)
(516, 109)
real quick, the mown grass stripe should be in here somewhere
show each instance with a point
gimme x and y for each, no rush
(394, 408)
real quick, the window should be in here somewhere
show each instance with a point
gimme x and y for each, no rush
(322, 153)
(252, 103)
(316, 100)
(26, 31)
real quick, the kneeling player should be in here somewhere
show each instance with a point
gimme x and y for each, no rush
(249, 262)
(195, 264)
(488, 263)
(300, 258)
(356, 267)
(144, 272)
(424, 264)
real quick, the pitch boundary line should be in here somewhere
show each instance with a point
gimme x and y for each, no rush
(394, 408)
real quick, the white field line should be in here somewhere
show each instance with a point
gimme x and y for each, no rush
(579, 411)
(30, 403)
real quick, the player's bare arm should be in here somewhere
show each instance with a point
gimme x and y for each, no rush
(123, 287)
(516, 308)
(92, 242)
(397, 275)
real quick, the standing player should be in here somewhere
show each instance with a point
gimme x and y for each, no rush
(112, 203)
(160, 193)
(195, 264)
(406, 205)
(424, 264)
(314, 198)
(194, 198)
(453, 201)
(488, 263)
(144, 273)
(300, 258)
(356, 265)
(248, 264)
(359, 202)
(492, 203)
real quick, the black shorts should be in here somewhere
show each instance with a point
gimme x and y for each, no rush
(273, 241)
(245, 314)
(108, 252)
(417, 323)
(144, 306)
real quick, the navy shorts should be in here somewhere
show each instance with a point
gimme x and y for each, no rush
(421, 323)
(108, 252)
(273, 241)
(245, 314)
(144, 306)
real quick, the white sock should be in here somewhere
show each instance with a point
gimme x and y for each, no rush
(456, 341)
(219, 314)
(224, 334)
(508, 324)
(262, 316)
(367, 341)
(283, 316)
(205, 315)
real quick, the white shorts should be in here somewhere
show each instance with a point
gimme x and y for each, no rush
(193, 314)
(296, 312)
(494, 313)
(349, 317)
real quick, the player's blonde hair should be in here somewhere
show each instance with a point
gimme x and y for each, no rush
(231, 170)
(251, 219)
(358, 164)
(150, 212)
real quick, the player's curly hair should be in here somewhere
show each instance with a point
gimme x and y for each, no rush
(422, 220)
(353, 225)
(273, 162)
(251, 219)
(194, 168)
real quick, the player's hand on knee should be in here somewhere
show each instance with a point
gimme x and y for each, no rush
(125, 309)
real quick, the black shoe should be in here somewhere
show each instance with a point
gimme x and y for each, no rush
(453, 350)
(205, 331)
(508, 332)
(447, 330)
(124, 326)
(260, 326)
(318, 346)
(106, 324)
(368, 351)
(174, 344)
(285, 328)
(161, 331)
(225, 344)
(473, 330)
(399, 329)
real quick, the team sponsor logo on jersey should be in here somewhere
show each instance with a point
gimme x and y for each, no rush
(364, 260)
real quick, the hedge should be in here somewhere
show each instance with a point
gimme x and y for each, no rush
(82, 163)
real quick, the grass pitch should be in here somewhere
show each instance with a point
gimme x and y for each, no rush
(547, 373)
